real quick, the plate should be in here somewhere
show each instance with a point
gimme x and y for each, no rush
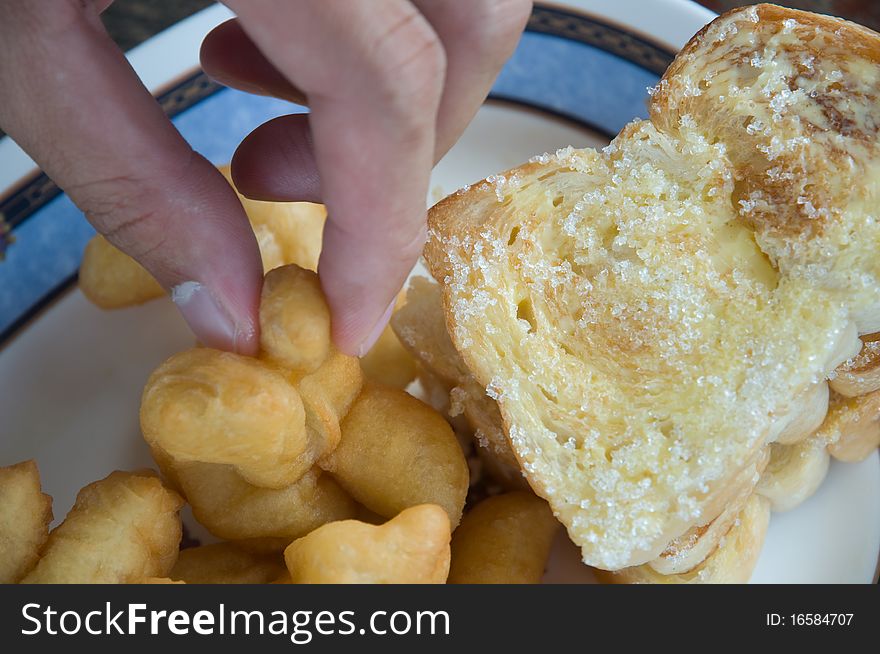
(71, 375)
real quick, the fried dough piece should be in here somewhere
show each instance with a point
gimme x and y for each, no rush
(327, 396)
(397, 452)
(217, 407)
(388, 362)
(294, 320)
(25, 515)
(412, 548)
(232, 509)
(505, 539)
(286, 232)
(225, 563)
(122, 529)
(111, 279)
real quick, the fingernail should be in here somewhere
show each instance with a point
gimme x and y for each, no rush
(208, 319)
(378, 328)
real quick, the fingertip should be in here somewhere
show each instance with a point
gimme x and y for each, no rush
(361, 275)
(209, 260)
(228, 56)
(367, 343)
(353, 336)
(215, 321)
(358, 316)
(276, 162)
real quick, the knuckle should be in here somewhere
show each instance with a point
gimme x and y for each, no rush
(125, 211)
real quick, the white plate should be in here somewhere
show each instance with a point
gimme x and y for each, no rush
(70, 378)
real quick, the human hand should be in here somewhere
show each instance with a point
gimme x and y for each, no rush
(391, 87)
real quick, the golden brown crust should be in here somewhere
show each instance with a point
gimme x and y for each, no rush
(225, 563)
(412, 548)
(649, 317)
(397, 452)
(504, 539)
(122, 529)
(25, 515)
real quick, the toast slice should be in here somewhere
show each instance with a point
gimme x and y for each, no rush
(650, 317)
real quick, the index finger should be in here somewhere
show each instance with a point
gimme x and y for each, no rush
(374, 81)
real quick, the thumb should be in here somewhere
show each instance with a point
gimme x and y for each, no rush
(192, 235)
(101, 136)
(206, 257)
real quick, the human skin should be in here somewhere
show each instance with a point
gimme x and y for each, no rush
(389, 91)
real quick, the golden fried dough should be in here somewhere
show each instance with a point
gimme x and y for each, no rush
(218, 407)
(121, 529)
(388, 362)
(225, 563)
(288, 232)
(232, 509)
(327, 395)
(25, 514)
(504, 539)
(397, 452)
(412, 548)
(294, 319)
(111, 279)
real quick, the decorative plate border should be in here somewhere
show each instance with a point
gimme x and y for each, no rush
(20, 202)
(577, 26)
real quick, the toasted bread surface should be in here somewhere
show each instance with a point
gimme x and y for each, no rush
(649, 317)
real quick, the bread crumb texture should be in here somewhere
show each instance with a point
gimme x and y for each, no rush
(648, 316)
